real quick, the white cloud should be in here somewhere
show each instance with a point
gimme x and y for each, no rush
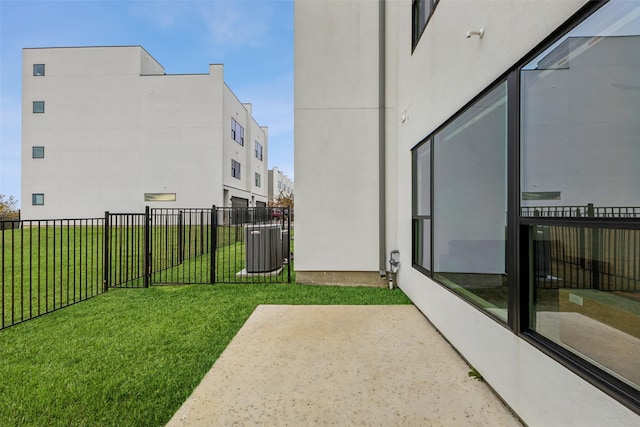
(232, 24)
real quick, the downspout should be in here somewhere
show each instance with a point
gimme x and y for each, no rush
(382, 238)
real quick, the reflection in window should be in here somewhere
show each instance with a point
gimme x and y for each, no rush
(470, 203)
(580, 117)
(159, 197)
(421, 11)
(422, 205)
(586, 294)
(235, 169)
(38, 69)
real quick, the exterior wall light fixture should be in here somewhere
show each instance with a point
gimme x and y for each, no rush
(479, 33)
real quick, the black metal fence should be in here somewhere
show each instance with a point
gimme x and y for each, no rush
(50, 264)
(588, 211)
(577, 247)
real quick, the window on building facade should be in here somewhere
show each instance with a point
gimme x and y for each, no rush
(580, 115)
(37, 199)
(37, 152)
(421, 11)
(38, 69)
(470, 203)
(568, 276)
(422, 205)
(258, 179)
(159, 197)
(38, 106)
(235, 169)
(237, 132)
(258, 150)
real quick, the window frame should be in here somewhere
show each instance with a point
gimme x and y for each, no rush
(518, 225)
(259, 151)
(33, 152)
(416, 33)
(35, 73)
(237, 132)
(36, 105)
(37, 199)
(236, 169)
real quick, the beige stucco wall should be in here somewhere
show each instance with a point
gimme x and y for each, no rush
(336, 135)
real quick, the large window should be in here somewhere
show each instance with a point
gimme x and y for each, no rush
(258, 151)
(470, 203)
(555, 251)
(421, 11)
(580, 115)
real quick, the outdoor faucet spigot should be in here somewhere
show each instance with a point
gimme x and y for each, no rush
(394, 263)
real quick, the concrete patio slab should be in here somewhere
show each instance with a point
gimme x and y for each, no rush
(341, 365)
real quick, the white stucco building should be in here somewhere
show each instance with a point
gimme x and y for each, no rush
(279, 183)
(493, 144)
(104, 128)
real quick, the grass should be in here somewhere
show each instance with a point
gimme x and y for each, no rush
(131, 357)
(44, 268)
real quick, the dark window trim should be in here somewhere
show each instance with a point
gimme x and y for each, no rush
(34, 70)
(33, 199)
(415, 38)
(33, 152)
(236, 171)
(34, 107)
(415, 216)
(518, 307)
(259, 154)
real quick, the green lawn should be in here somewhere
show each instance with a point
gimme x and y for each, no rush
(130, 357)
(46, 268)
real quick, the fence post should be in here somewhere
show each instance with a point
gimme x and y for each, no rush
(147, 247)
(106, 258)
(582, 251)
(288, 245)
(180, 237)
(595, 251)
(214, 244)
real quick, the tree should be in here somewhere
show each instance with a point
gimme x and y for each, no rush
(8, 204)
(283, 200)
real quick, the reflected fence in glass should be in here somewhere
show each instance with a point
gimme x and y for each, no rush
(585, 288)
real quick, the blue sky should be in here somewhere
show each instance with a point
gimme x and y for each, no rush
(252, 38)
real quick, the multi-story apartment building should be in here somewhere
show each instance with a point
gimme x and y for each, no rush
(494, 144)
(279, 184)
(104, 128)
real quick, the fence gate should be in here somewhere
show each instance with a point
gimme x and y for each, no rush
(211, 245)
